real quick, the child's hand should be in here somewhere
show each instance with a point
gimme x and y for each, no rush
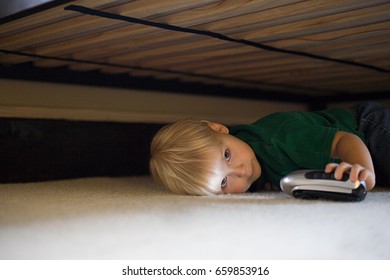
(356, 172)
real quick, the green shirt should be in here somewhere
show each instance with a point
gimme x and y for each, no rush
(288, 141)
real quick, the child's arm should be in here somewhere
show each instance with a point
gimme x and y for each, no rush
(355, 159)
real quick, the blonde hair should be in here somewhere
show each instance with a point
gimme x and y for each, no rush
(179, 157)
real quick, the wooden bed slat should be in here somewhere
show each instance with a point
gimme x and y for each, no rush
(353, 31)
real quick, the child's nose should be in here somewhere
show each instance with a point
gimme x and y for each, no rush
(239, 170)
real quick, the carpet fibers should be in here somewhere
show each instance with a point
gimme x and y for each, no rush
(133, 218)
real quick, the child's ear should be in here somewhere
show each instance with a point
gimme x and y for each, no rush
(217, 127)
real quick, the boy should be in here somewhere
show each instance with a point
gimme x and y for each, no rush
(204, 158)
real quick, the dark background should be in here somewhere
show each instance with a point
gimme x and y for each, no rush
(39, 150)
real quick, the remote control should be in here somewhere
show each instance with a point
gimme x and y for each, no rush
(316, 184)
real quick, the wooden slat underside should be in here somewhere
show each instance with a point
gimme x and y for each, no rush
(353, 31)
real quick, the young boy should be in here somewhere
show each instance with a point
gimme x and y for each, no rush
(204, 158)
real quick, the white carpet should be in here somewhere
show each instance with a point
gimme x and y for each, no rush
(133, 218)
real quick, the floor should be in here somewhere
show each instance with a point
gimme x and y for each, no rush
(133, 218)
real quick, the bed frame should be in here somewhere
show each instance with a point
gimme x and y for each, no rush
(296, 51)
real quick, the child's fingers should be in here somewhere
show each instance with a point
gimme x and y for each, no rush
(338, 169)
(330, 167)
(363, 175)
(359, 173)
(356, 173)
(343, 167)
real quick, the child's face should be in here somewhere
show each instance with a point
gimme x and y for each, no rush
(235, 162)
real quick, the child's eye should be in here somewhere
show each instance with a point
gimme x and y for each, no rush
(227, 154)
(224, 182)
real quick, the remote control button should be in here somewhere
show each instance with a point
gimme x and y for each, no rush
(321, 175)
